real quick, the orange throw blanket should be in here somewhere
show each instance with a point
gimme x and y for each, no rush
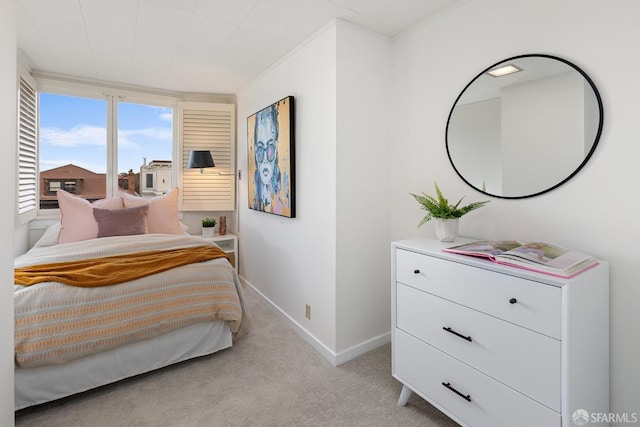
(116, 269)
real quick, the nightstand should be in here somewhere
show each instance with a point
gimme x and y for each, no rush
(229, 244)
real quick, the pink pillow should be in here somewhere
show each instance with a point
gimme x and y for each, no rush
(121, 222)
(163, 211)
(77, 221)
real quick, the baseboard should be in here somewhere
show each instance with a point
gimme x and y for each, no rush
(362, 348)
(334, 358)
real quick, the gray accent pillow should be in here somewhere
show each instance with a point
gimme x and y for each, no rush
(121, 222)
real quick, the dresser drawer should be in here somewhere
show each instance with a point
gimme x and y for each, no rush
(537, 306)
(518, 357)
(424, 369)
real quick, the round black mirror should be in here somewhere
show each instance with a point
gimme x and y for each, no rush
(524, 126)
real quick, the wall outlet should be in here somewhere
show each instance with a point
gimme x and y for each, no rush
(307, 311)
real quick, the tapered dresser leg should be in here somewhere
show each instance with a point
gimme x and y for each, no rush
(405, 394)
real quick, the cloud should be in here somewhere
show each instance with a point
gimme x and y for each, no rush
(86, 135)
(168, 117)
(164, 113)
(127, 137)
(77, 136)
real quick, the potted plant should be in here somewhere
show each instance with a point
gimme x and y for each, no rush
(446, 216)
(208, 225)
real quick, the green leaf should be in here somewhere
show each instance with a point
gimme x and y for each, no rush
(439, 207)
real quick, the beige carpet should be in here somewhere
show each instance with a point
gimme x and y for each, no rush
(270, 378)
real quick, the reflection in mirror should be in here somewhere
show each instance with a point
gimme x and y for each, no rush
(525, 132)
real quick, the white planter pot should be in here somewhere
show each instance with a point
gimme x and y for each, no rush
(447, 229)
(207, 231)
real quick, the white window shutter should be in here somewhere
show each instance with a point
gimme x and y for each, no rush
(206, 126)
(27, 149)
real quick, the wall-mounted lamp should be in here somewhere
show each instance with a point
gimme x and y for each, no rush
(199, 159)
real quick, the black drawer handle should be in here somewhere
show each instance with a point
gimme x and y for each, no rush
(416, 271)
(456, 333)
(467, 397)
(513, 301)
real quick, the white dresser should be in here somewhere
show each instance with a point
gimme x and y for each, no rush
(491, 345)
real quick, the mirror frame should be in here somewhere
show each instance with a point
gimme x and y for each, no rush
(572, 174)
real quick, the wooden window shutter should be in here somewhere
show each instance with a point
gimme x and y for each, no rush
(27, 150)
(206, 126)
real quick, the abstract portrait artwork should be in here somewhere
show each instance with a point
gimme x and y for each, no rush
(270, 152)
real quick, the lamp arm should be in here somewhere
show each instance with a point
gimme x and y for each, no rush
(217, 173)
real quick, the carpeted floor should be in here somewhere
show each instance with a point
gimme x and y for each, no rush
(270, 378)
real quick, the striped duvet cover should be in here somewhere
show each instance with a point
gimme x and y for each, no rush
(56, 323)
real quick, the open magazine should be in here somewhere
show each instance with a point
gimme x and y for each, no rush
(541, 257)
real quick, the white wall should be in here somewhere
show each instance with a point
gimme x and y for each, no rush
(8, 67)
(597, 210)
(474, 142)
(292, 261)
(334, 255)
(538, 157)
(363, 310)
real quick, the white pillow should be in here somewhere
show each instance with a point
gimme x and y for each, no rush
(50, 236)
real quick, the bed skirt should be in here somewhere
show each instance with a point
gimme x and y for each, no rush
(42, 384)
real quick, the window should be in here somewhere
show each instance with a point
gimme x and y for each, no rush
(74, 155)
(145, 147)
(72, 147)
(52, 186)
(96, 141)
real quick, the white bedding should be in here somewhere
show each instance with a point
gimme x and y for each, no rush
(34, 386)
(106, 246)
(99, 364)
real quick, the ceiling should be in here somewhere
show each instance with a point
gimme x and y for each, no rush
(205, 46)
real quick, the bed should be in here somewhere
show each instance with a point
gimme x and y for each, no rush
(74, 333)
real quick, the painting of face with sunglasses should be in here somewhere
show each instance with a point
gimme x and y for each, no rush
(270, 137)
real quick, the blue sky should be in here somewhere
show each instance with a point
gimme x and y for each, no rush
(73, 131)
